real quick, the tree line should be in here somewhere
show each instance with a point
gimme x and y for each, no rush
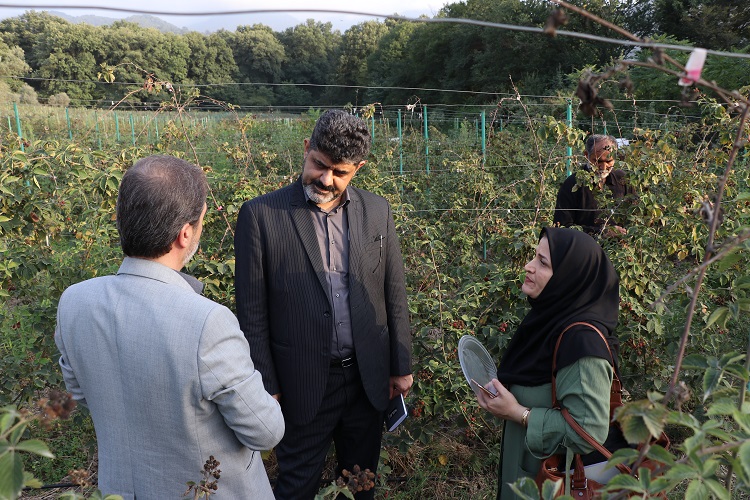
(311, 63)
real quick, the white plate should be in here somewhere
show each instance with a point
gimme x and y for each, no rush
(476, 362)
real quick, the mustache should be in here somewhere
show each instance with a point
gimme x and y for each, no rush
(321, 187)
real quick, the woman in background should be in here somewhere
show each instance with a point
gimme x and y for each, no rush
(570, 279)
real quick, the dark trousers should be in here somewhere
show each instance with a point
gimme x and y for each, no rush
(347, 418)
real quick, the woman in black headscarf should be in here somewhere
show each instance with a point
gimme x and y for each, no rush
(569, 280)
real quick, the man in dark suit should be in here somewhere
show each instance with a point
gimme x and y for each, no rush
(322, 301)
(576, 200)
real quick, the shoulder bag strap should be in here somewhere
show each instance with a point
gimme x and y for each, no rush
(616, 384)
(566, 414)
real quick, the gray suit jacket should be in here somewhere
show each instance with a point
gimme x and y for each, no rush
(168, 378)
(284, 308)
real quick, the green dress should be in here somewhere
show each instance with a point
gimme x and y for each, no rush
(583, 388)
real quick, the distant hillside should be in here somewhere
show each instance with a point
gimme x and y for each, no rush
(141, 19)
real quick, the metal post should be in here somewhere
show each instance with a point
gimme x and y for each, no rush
(18, 125)
(484, 138)
(426, 141)
(67, 120)
(132, 128)
(400, 145)
(96, 125)
(117, 128)
(569, 116)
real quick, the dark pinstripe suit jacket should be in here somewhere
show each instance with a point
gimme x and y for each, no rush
(284, 308)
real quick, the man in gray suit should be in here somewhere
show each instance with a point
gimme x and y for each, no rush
(322, 301)
(166, 372)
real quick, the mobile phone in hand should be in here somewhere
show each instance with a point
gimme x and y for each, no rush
(487, 392)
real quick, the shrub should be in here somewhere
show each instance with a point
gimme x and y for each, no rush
(60, 99)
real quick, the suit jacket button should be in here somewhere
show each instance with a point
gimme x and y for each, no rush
(326, 314)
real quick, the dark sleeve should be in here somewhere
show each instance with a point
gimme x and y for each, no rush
(251, 294)
(396, 304)
(567, 202)
(570, 205)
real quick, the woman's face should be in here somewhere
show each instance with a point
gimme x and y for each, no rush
(538, 270)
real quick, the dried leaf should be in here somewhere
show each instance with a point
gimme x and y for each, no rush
(557, 18)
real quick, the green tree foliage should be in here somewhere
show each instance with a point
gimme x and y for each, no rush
(387, 64)
(24, 31)
(211, 59)
(259, 57)
(66, 56)
(212, 62)
(357, 44)
(713, 24)
(12, 64)
(301, 65)
(312, 50)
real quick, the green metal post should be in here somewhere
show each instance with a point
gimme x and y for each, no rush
(67, 120)
(400, 145)
(569, 116)
(372, 121)
(426, 141)
(484, 138)
(96, 125)
(117, 128)
(156, 129)
(132, 128)
(18, 125)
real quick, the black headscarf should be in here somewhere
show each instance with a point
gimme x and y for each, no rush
(584, 287)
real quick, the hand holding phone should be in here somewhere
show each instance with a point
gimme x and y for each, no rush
(486, 391)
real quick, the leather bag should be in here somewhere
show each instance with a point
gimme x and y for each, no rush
(553, 468)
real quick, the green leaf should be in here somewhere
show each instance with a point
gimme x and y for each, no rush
(696, 491)
(661, 455)
(695, 361)
(717, 489)
(35, 446)
(625, 482)
(711, 379)
(743, 455)
(29, 481)
(526, 489)
(720, 316)
(7, 419)
(722, 407)
(681, 472)
(729, 260)
(11, 475)
(743, 419)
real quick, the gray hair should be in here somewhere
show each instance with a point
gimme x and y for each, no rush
(344, 138)
(594, 138)
(158, 196)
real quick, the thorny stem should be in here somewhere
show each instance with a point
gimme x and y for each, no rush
(738, 142)
(538, 153)
(599, 20)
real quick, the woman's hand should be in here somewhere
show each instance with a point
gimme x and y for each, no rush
(504, 405)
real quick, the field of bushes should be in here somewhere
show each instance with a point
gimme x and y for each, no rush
(467, 224)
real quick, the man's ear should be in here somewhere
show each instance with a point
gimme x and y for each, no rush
(307, 145)
(183, 237)
(361, 164)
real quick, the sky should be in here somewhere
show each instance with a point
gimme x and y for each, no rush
(408, 8)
